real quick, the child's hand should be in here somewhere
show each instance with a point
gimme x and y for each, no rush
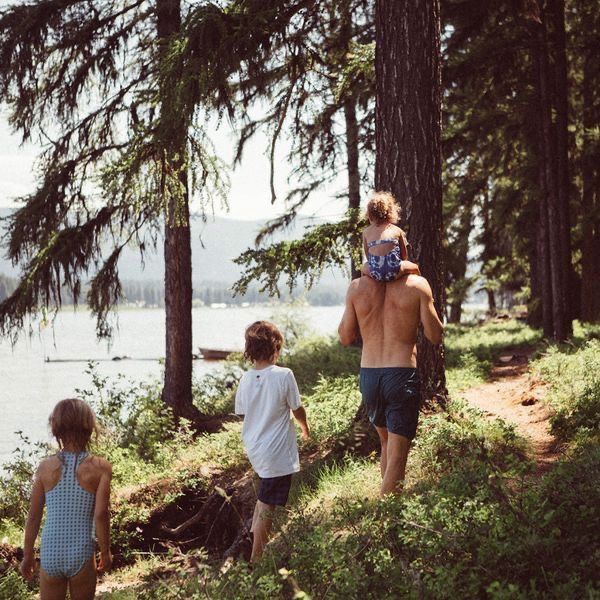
(105, 562)
(26, 568)
(305, 433)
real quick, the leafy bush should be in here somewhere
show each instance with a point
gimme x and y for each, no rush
(331, 409)
(318, 357)
(12, 587)
(214, 393)
(17, 479)
(574, 388)
(132, 415)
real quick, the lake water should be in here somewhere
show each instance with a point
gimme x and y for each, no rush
(30, 386)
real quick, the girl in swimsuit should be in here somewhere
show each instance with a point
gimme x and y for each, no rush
(384, 242)
(75, 488)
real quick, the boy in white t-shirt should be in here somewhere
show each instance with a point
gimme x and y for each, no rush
(266, 395)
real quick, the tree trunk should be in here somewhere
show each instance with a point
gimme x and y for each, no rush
(563, 183)
(408, 147)
(492, 310)
(461, 256)
(177, 390)
(353, 175)
(352, 136)
(590, 245)
(561, 324)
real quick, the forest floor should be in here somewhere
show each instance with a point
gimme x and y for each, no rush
(514, 394)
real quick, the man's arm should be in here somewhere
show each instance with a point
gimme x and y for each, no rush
(431, 322)
(348, 329)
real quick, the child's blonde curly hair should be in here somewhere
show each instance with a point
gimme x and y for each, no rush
(382, 207)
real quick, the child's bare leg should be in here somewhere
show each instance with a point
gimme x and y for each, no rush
(408, 268)
(261, 527)
(83, 585)
(52, 588)
(365, 269)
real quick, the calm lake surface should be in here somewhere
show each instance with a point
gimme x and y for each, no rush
(30, 386)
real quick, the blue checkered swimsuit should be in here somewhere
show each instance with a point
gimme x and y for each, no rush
(387, 266)
(68, 538)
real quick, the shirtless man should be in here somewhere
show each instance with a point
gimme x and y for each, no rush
(387, 316)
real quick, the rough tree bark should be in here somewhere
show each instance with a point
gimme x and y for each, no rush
(177, 390)
(590, 245)
(408, 147)
(549, 201)
(563, 181)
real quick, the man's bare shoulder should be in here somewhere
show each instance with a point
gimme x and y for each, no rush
(362, 283)
(418, 282)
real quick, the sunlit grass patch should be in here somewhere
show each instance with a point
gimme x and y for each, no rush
(351, 480)
(573, 378)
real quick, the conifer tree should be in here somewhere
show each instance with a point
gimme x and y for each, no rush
(115, 90)
(408, 147)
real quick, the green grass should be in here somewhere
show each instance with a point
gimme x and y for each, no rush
(472, 349)
(573, 376)
(471, 522)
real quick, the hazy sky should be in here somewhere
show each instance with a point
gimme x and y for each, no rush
(249, 196)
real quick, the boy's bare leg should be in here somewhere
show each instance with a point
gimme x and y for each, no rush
(397, 454)
(83, 585)
(52, 588)
(261, 527)
(382, 432)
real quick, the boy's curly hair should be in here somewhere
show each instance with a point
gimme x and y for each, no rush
(382, 207)
(72, 421)
(263, 341)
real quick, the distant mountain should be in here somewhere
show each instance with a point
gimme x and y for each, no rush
(214, 246)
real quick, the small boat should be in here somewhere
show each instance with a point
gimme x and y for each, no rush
(215, 353)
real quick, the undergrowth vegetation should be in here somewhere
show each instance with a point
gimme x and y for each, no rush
(473, 522)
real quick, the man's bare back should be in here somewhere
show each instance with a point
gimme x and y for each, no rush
(387, 317)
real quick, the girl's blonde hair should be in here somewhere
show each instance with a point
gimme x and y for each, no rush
(382, 207)
(72, 421)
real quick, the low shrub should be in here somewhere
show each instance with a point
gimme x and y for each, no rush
(12, 587)
(318, 357)
(573, 376)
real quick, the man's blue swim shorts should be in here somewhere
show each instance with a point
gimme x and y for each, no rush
(392, 396)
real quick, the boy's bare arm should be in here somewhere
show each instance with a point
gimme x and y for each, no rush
(32, 528)
(300, 416)
(102, 516)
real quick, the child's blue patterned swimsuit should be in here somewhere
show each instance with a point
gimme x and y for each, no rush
(387, 266)
(68, 538)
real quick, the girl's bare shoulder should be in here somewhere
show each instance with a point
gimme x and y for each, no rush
(49, 464)
(98, 463)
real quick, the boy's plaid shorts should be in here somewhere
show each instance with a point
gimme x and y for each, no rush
(274, 490)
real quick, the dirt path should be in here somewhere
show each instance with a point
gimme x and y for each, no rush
(516, 397)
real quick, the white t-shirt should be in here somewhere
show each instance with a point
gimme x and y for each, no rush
(265, 398)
